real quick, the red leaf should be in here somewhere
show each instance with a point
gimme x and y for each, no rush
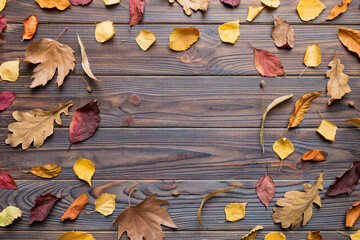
(137, 8)
(3, 23)
(265, 189)
(84, 122)
(6, 181)
(267, 64)
(6, 99)
(79, 2)
(42, 207)
(232, 3)
(347, 182)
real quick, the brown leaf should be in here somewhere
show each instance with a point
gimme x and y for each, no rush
(42, 207)
(282, 33)
(30, 25)
(314, 155)
(265, 189)
(352, 214)
(338, 9)
(195, 5)
(315, 235)
(350, 38)
(47, 171)
(75, 208)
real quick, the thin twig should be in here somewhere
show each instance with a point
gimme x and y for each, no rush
(320, 113)
(93, 17)
(343, 233)
(303, 71)
(65, 29)
(134, 189)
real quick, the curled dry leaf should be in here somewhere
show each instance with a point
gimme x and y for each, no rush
(85, 61)
(271, 3)
(314, 155)
(111, 2)
(8, 215)
(235, 211)
(275, 236)
(355, 121)
(30, 25)
(182, 38)
(59, 4)
(3, 23)
(9, 71)
(76, 235)
(296, 207)
(6, 99)
(229, 32)
(137, 8)
(350, 38)
(312, 56)
(104, 31)
(352, 214)
(327, 130)
(34, 126)
(84, 169)
(79, 2)
(309, 9)
(252, 234)
(2, 4)
(338, 9)
(315, 235)
(253, 12)
(345, 183)
(232, 3)
(42, 207)
(47, 171)
(282, 33)
(105, 204)
(75, 208)
(6, 181)
(265, 189)
(274, 103)
(145, 39)
(195, 5)
(283, 148)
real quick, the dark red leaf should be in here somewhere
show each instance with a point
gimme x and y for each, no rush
(3, 23)
(79, 2)
(137, 8)
(347, 182)
(265, 189)
(232, 3)
(6, 181)
(84, 122)
(6, 99)
(42, 207)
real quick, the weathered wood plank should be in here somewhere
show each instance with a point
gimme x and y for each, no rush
(186, 154)
(183, 209)
(119, 57)
(160, 11)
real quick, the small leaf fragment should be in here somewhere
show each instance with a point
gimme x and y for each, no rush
(352, 214)
(195, 5)
(355, 236)
(275, 236)
(8, 215)
(283, 148)
(252, 234)
(85, 61)
(105, 204)
(79, 2)
(350, 38)
(47, 171)
(314, 155)
(3, 23)
(283, 34)
(253, 12)
(229, 32)
(84, 169)
(75, 208)
(2, 4)
(265, 189)
(235, 211)
(312, 56)
(6, 181)
(145, 39)
(9, 71)
(315, 235)
(104, 31)
(309, 9)
(42, 207)
(355, 121)
(182, 38)
(76, 235)
(271, 3)
(6, 99)
(59, 4)
(30, 25)
(327, 130)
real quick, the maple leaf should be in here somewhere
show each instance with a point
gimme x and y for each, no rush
(3, 23)
(30, 25)
(350, 38)
(144, 220)
(192, 4)
(232, 3)
(137, 8)
(6, 99)
(42, 207)
(6, 181)
(282, 33)
(265, 189)
(79, 2)
(51, 55)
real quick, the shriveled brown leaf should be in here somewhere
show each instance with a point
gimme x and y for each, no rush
(47, 171)
(314, 155)
(75, 208)
(352, 214)
(282, 33)
(350, 38)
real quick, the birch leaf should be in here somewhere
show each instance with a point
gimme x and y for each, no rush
(282, 33)
(84, 169)
(182, 38)
(338, 9)
(283, 148)
(76, 235)
(252, 234)
(2, 4)
(85, 61)
(265, 189)
(309, 9)
(327, 130)
(8, 215)
(105, 204)
(355, 121)
(104, 31)
(352, 214)
(30, 25)
(275, 236)
(75, 208)
(229, 32)
(47, 171)
(195, 5)
(253, 12)
(350, 38)
(312, 56)
(271, 3)
(59, 4)
(235, 211)
(145, 39)
(315, 235)
(111, 2)
(9, 71)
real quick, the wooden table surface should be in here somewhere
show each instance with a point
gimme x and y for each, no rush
(197, 126)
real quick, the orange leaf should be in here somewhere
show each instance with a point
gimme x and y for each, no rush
(350, 38)
(315, 235)
(352, 214)
(75, 208)
(314, 155)
(338, 9)
(30, 24)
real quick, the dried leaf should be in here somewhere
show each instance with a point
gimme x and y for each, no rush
(312, 56)
(235, 211)
(3, 23)
(144, 220)
(30, 25)
(75, 208)
(309, 9)
(207, 197)
(137, 8)
(111, 2)
(84, 122)
(267, 64)
(296, 207)
(350, 38)
(314, 155)
(283, 148)
(301, 107)
(275, 236)
(274, 103)
(84, 169)
(47, 171)
(9, 71)
(355, 121)
(252, 234)
(79, 2)
(34, 126)
(355, 236)
(338, 9)
(345, 183)
(315, 235)
(327, 130)
(105, 204)
(352, 214)
(76, 235)
(51, 55)
(192, 4)
(232, 3)
(2, 4)
(85, 61)
(59, 4)
(253, 12)
(6, 99)
(6, 181)
(182, 38)
(8, 215)
(282, 33)
(265, 189)
(104, 31)
(229, 32)
(337, 85)
(145, 39)
(271, 3)
(42, 207)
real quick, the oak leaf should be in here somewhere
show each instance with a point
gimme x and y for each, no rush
(275, 236)
(355, 121)
(253, 12)
(144, 220)
(271, 3)
(9, 71)
(232, 3)
(338, 9)
(235, 211)
(105, 204)
(75, 208)
(145, 39)
(327, 130)
(79, 2)
(195, 5)
(312, 56)
(282, 33)
(6, 181)
(85, 61)
(6, 99)
(350, 38)
(137, 8)
(182, 38)
(314, 155)
(352, 214)
(315, 235)
(265, 189)
(296, 207)
(309, 9)
(34, 126)
(3, 23)
(104, 31)
(252, 234)
(47, 171)
(30, 25)
(283, 148)
(337, 85)
(84, 169)
(2, 4)
(76, 235)
(59, 4)
(42, 207)
(8, 215)
(229, 32)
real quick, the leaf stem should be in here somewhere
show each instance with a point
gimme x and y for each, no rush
(65, 29)
(122, 4)
(303, 72)
(92, 16)
(215, 45)
(88, 88)
(89, 212)
(320, 113)
(132, 190)
(343, 233)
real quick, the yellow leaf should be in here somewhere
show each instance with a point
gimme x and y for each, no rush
(283, 148)
(111, 2)
(85, 61)
(355, 121)
(312, 56)
(271, 3)
(2, 4)
(105, 204)
(275, 236)
(8, 215)
(235, 211)
(59, 4)
(253, 12)
(104, 31)
(355, 236)
(145, 39)
(350, 38)
(327, 130)
(76, 235)
(9, 71)
(47, 171)
(252, 234)
(309, 9)
(84, 169)
(229, 32)
(182, 38)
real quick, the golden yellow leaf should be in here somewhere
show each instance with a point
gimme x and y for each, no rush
(327, 130)
(104, 31)
(59, 4)
(192, 4)
(312, 56)
(2, 4)
(105, 204)
(275, 236)
(355, 121)
(309, 9)
(229, 32)
(8, 215)
(111, 2)
(315, 235)
(283, 148)
(182, 38)
(338, 9)
(355, 236)
(47, 171)
(85, 61)
(350, 38)
(235, 211)
(252, 234)
(253, 12)
(9, 71)
(271, 3)
(76, 235)
(145, 39)
(35, 126)
(84, 169)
